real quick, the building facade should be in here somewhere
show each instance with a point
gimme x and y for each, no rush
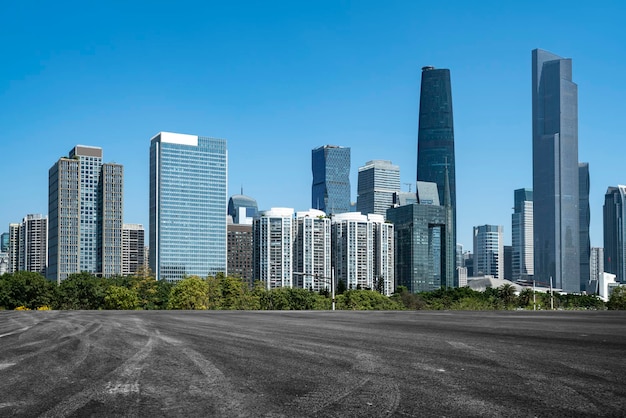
(273, 247)
(312, 251)
(614, 213)
(33, 244)
(330, 191)
(241, 252)
(584, 218)
(85, 212)
(435, 139)
(555, 171)
(363, 252)
(188, 197)
(378, 180)
(596, 263)
(522, 235)
(133, 244)
(14, 247)
(488, 251)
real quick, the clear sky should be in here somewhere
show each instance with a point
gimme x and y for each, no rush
(279, 78)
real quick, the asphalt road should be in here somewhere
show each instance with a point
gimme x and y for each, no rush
(312, 364)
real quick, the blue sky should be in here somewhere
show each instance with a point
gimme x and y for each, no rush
(279, 78)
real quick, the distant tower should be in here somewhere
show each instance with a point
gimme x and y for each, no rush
(522, 235)
(242, 209)
(377, 182)
(133, 245)
(488, 251)
(84, 215)
(435, 140)
(615, 232)
(555, 172)
(188, 196)
(33, 244)
(330, 192)
(584, 219)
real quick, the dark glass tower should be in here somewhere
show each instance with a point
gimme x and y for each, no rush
(584, 219)
(331, 179)
(435, 138)
(555, 171)
(614, 211)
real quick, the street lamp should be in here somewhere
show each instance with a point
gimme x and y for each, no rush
(319, 276)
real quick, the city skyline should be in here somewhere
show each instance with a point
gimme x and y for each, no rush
(287, 82)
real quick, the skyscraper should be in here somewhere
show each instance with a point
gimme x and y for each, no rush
(242, 209)
(424, 255)
(188, 184)
(14, 247)
(555, 171)
(377, 182)
(33, 244)
(330, 192)
(584, 218)
(522, 235)
(488, 251)
(363, 251)
(273, 247)
(4, 242)
(435, 139)
(84, 215)
(614, 214)
(133, 241)
(312, 250)
(240, 252)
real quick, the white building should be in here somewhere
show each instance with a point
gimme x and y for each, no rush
(488, 251)
(133, 246)
(273, 232)
(363, 251)
(312, 251)
(606, 284)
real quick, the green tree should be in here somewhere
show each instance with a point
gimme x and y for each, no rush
(617, 300)
(506, 293)
(28, 289)
(120, 298)
(81, 291)
(366, 300)
(190, 293)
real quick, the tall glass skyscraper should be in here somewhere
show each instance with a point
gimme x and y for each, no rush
(435, 138)
(522, 235)
(488, 251)
(188, 195)
(615, 232)
(584, 219)
(85, 215)
(555, 171)
(331, 179)
(377, 182)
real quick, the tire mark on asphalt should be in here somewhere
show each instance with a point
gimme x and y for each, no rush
(122, 380)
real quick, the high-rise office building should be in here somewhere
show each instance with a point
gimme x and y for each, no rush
(33, 244)
(133, 242)
(14, 247)
(596, 263)
(241, 252)
(312, 251)
(522, 235)
(424, 255)
(614, 214)
(4, 242)
(488, 251)
(363, 251)
(242, 209)
(188, 197)
(377, 182)
(273, 247)
(584, 218)
(555, 172)
(330, 192)
(84, 215)
(435, 139)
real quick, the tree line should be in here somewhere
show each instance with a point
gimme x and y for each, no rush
(31, 291)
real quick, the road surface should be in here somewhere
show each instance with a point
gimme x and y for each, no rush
(312, 364)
